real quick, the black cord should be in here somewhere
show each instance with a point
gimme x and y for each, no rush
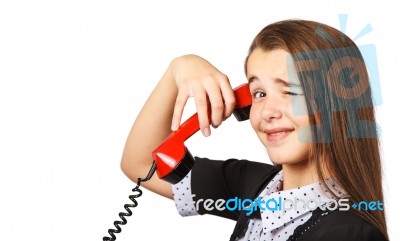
(137, 193)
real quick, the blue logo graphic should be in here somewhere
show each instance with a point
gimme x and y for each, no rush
(339, 77)
(368, 206)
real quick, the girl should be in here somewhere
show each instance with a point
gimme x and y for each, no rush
(312, 110)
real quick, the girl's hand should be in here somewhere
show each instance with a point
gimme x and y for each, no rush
(196, 77)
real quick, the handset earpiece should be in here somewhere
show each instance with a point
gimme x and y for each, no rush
(173, 159)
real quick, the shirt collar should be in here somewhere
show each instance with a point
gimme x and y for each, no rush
(283, 207)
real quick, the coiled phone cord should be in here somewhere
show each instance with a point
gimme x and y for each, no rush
(137, 193)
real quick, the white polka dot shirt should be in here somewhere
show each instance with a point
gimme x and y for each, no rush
(183, 197)
(274, 225)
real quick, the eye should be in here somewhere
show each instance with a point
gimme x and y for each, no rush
(291, 93)
(258, 94)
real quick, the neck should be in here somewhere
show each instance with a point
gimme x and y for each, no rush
(298, 174)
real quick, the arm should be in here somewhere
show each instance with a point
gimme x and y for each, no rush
(185, 77)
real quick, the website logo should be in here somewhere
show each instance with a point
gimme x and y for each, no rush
(283, 204)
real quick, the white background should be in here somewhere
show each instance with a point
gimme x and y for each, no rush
(74, 75)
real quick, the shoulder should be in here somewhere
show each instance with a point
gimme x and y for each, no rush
(242, 171)
(237, 177)
(226, 179)
(232, 164)
(344, 226)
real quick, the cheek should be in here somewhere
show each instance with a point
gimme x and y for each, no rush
(303, 120)
(304, 129)
(298, 106)
(254, 116)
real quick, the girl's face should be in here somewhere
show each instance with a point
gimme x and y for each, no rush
(285, 134)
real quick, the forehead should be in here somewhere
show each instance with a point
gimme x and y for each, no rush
(274, 64)
(267, 64)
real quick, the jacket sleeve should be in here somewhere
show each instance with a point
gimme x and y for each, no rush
(344, 226)
(352, 233)
(223, 180)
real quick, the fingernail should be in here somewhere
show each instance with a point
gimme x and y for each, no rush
(174, 127)
(206, 131)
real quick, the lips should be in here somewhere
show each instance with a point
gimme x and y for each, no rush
(278, 134)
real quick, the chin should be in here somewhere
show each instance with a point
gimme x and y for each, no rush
(286, 157)
(282, 162)
(288, 153)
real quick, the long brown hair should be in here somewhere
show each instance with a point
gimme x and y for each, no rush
(337, 89)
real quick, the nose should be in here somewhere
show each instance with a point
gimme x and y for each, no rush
(271, 109)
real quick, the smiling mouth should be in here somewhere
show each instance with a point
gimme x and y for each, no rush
(278, 134)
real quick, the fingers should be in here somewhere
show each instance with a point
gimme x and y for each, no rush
(200, 96)
(202, 112)
(216, 103)
(214, 97)
(228, 96)
(222, 103)
(180, 103)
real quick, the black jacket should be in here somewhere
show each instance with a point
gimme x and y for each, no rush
(245, 179)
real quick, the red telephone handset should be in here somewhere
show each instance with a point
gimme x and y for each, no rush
(173, 159)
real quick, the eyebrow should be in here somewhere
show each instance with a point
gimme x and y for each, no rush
(277, 80)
